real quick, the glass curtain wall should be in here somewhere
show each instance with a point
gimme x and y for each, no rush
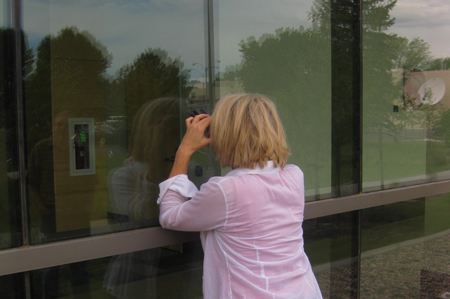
(105, 94)
(107, 87)
(107, 90)
(302, 55)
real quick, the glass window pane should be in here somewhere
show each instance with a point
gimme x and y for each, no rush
(10, 224)
(105, 94)
(331, 245)
(405, 249)
(406, 94)
(283, 50)
(170, 272)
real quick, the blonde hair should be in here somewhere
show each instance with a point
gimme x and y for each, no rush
(246, 131)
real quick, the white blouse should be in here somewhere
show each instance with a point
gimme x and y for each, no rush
(251, 231)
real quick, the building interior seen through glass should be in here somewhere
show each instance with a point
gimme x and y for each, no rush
(360, 86)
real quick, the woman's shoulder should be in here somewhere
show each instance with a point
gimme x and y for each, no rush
(222, 184)
(294, 169)
(218, 180)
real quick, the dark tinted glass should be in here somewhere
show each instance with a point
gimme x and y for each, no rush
(10, 222)
(331, 244)
(12, 286)
(169, 272)
(405, 249)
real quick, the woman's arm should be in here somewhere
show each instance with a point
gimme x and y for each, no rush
(207, 210)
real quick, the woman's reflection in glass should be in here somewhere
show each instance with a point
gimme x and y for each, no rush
(133, 191)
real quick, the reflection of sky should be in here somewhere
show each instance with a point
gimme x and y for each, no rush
(429, 20)
(5, 14)
(127, 28)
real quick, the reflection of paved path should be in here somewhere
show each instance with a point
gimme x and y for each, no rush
(418, 268)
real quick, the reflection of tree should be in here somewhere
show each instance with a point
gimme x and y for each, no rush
(153, 74)
(411, 55)
(439, 64)
(292, 67)
(68, 74)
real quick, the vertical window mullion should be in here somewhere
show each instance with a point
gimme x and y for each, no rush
(17, 25)
(346, 104)
(20, 130)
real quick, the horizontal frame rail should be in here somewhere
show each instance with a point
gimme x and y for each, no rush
(59, 253)
(362, 201)
(34, 257)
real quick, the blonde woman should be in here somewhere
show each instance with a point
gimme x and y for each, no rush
(251, 219)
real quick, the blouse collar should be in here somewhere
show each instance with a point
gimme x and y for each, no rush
(268, 168)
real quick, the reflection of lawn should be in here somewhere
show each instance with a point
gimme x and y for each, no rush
(404, 159)
(438, 157)
(400, 160)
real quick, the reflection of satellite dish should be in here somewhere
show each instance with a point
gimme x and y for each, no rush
(432, 91)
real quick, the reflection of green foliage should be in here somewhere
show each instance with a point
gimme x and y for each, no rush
(231, 72)
(411, 55)
(379, 53)
(439, 64)
(292, 67)
(153, 74)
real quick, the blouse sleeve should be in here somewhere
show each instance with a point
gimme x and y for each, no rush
(206, 210)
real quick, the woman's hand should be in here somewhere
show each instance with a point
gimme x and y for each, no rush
(193, 140)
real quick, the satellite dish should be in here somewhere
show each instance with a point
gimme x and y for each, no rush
(432, 91)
